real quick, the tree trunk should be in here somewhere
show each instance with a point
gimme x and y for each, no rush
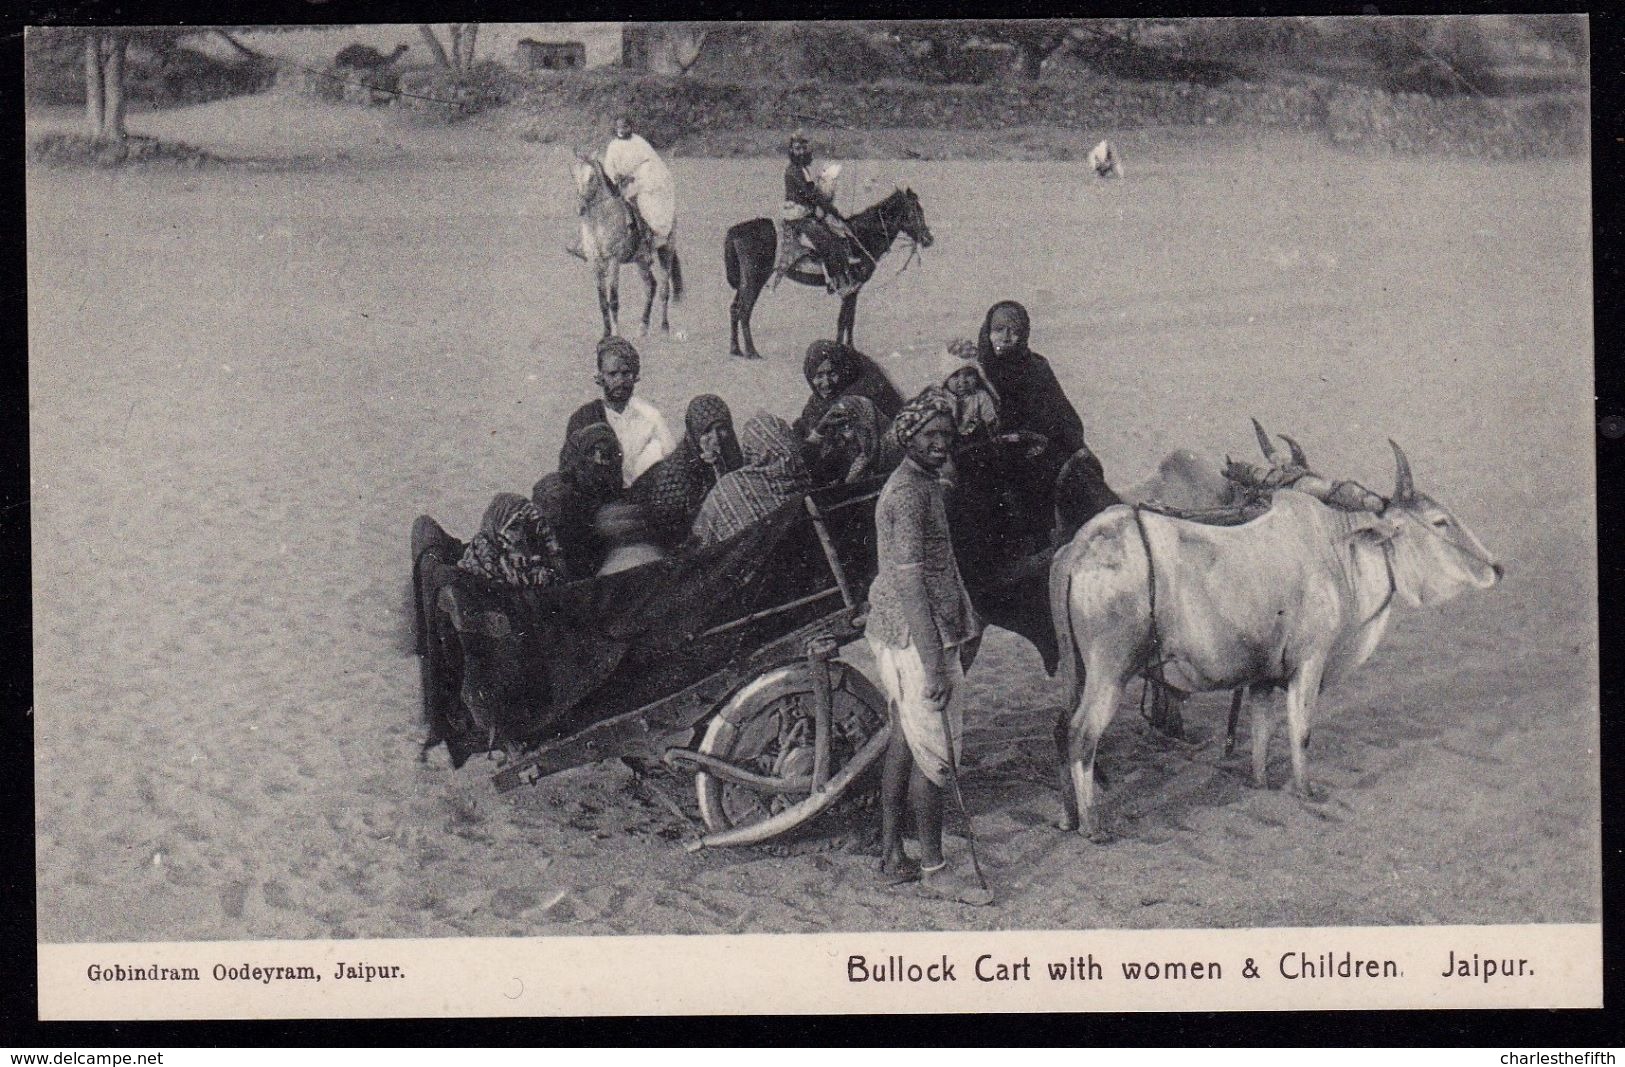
(471, 36)
(1030, 61)
(95, 113)
(686, 47)
(454, 30)
(433, 42)
(115, 88)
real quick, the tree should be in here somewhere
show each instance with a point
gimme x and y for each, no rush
(1030, 41)
(663, 47)
(103, 55)
(463, 36)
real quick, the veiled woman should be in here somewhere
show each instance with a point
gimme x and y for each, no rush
(672, 491)
(855, 442)
(834, 370)
(772, 475)
(515, 546)
(1030, 399)
(588, 478)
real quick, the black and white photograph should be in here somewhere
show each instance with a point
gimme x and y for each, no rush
(620, 479)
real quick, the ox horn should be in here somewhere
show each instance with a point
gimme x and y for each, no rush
(1404, 486)
(1298, 458)
(1264, 442)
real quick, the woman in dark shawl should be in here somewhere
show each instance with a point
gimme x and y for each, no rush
(589, 477)
(1031, 400)
(857, 442)
(772, 475)
(515, 545)
(834, 370)
(672, 491)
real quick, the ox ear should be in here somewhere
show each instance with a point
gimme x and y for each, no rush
(1378, 532)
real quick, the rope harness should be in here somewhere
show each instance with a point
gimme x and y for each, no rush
(1153, 672)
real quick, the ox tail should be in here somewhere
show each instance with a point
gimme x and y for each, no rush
(674, 268)
(1060, 607)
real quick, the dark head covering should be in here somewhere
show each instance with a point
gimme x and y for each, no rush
(515, 546)
(580, 466)
(1030, 397)
(620, 346)
(672, 491)
(570, 500)
(855, 375)
(772, 475)
(853, 431)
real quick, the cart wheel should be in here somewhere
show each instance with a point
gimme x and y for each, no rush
(767, 727)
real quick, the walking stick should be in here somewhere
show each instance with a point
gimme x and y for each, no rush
(959, 798)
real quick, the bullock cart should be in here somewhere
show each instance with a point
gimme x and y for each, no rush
(725, 662)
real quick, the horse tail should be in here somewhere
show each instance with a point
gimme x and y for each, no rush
(730, 259)
(674, 267)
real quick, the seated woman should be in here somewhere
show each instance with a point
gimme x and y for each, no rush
(773, 474)
(672, 491)
(588, 478)
(1030, 400)
(855, 442)
(834, 370)
(515, 546)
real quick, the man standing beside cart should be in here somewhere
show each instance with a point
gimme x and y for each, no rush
(924, 633)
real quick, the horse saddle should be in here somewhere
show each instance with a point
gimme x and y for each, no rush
(796, 250)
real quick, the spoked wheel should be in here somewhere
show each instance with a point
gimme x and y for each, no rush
(767, 728)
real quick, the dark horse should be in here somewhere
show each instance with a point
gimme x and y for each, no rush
(751, 248)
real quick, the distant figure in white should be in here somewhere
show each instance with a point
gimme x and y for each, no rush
(634, 166)
(1103, 157)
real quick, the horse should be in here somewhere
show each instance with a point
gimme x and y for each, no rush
(610, 237)
(751, 248)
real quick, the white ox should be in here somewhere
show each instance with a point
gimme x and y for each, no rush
(1298, 598)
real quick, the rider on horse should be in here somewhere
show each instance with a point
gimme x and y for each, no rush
(644, 183)
(809, 212)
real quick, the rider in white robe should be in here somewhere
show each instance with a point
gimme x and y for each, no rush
(632, 163)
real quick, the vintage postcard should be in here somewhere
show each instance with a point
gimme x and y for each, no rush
(692, 518)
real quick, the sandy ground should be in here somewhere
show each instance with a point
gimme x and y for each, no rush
(245, 384)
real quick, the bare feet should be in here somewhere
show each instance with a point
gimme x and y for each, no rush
(940, 884)
(898, 869)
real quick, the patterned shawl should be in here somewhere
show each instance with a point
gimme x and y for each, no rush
(773, 474)
(515, 545)
(852, 429)
(672, 491)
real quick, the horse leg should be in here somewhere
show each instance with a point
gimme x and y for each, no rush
(847, 319)
(733, 325)
(615, 296)
(750, 287)
(602, 284)
(649, 286)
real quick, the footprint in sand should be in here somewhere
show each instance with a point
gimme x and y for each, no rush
(233, 899)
